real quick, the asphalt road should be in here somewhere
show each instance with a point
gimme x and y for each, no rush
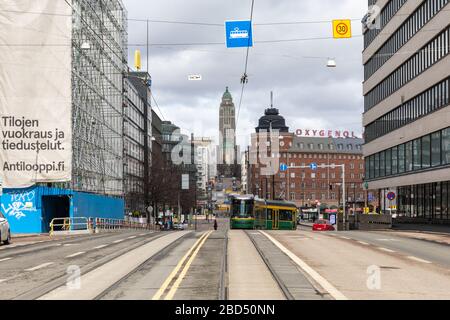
(363, 265)
(226, 264)
(390, 242)
(24, 270)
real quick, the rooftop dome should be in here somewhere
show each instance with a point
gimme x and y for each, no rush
(272, 119)
(227, 95)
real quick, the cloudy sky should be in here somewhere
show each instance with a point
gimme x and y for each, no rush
(308, 94)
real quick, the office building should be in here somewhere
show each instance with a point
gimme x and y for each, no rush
(406, 108)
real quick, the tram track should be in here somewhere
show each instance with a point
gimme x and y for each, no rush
(60, 278)
(272, 271)
(223, 284)
(161, 253)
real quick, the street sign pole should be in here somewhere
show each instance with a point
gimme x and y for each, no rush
(343, 196)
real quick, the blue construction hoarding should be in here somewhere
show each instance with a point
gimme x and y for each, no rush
(30, 210)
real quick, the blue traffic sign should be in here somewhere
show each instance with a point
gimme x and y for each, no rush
(313, 166)
(283, 167)
(391, 196)
(239, 34)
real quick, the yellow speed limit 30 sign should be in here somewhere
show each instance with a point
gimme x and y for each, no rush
(342, 29)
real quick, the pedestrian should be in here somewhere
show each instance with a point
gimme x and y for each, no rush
(215, 224)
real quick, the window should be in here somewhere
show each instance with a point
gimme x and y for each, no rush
(377, 165)
(401, 158)
(416, 155)
(409, 69)
(394, 160)
(446, 146)
(436, 149)
(432, 150)
(382, 164)
(426, 151)
(409, 111)
(388, 162)
(408, 156)
(385, 16)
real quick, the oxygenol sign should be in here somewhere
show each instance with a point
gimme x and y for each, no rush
(325, 133)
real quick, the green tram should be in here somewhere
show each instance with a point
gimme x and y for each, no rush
(275, 215)
(241, 212)
(246, 212)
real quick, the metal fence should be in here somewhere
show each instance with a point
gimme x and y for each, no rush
(94, 225)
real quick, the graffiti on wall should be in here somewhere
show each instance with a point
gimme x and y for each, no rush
(18, 205)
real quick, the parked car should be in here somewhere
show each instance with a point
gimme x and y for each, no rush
(322, 225)
(179, 226)
(5, 232)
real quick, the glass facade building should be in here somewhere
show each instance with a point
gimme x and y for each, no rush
(406, 104)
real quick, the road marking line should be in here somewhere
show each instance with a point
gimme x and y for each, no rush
(5, 259)
(180, 278)
(76, 254)
(132, 237)
(174, 272)
(346, 238)
(143, 234)
(386, 249)
(118, 241)
(40, 266)
(3, 280)
(364, 243)
(335, 293)
(419, 260)
(100, 247)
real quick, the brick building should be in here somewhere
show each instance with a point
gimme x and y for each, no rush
(306, 187)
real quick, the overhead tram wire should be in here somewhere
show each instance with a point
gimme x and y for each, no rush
(206, 24)
(244, 78)
(157, 105)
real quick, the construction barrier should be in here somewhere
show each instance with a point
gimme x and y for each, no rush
(70, 225)
(82, 225)
(106, 224)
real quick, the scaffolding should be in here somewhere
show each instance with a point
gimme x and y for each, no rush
(99, 61)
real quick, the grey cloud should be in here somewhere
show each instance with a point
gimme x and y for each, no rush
(307, 93)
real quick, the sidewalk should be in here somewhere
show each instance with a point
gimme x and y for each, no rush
(29, 238)
(27, 235)
(440, 238)
(434, 233)
(437, 234)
